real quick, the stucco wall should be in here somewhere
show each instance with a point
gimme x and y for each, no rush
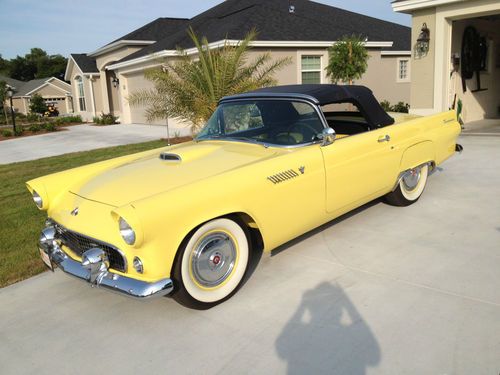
(50, 91)
(483, 104)
(422, 69)
(381, 77)
(89, 113)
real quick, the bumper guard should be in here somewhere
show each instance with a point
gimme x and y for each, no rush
(94, 269)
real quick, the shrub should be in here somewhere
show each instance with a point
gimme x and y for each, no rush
(58, 121)
(105, 119)
(43, 126)
(6, 133)
(71, 119)
(33, 117)
(386, 105)
(50, 127)
(20, 116)
(34, 128)
(37, 104)
(19, 131)
(401, 107)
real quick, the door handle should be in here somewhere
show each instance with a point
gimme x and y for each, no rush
(385, 138)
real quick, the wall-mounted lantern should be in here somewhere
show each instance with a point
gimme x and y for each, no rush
(115, 81)
(422, 47)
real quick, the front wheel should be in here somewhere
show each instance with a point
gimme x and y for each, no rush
(410, 187)
(211, 264)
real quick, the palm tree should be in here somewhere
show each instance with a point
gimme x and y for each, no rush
(348, 59)
(190, 88)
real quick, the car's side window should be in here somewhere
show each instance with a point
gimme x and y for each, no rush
(241, 117)
(345, 119)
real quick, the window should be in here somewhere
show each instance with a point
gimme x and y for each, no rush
(311, 69)
(403, 70)
(81, 94)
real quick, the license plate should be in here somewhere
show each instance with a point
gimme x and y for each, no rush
(46, 259)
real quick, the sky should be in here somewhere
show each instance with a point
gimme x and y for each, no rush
(70, 26)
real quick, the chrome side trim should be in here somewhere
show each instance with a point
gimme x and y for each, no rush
(94, 269)
(431, 165)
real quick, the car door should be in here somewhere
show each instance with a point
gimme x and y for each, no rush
(360, 167)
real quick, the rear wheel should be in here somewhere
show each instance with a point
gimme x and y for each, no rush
(410, 187)
(211, 264)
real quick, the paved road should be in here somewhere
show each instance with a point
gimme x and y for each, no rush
(383, 291)
(78, 138)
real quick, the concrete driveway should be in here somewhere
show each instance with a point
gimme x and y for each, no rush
(78, 138)
(385, 290)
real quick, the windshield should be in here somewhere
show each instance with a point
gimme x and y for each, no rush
(280, 122)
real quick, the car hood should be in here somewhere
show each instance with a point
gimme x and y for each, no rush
(180, 165)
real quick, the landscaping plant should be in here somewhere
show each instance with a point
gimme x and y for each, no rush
(348, 60)
(37, 104)
(189, 89)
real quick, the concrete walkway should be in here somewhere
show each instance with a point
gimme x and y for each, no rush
(78, 138)
(385, 290)
(486, 127)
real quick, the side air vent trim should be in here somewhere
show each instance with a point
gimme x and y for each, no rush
(283, 176)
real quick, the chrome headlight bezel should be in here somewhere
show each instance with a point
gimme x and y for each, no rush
(37, 199)
(126, 231)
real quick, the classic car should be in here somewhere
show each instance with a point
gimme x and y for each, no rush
(268, 166)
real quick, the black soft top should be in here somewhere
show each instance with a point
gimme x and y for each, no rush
(361, 96)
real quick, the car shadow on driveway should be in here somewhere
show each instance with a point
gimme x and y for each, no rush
(327, 335)
(327, 225)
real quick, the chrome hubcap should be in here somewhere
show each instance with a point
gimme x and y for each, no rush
(411, 178)
(213, 259)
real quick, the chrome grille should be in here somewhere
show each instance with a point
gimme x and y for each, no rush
(283, 176)
(78, 243)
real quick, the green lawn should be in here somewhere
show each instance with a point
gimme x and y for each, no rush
(20, 220)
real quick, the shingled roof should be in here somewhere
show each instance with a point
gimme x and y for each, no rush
(155, 30)
(85, 63)
(311, 21)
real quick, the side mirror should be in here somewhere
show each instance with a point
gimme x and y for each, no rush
(327, 136)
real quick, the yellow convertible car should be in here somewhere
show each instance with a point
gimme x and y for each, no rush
(268, 166)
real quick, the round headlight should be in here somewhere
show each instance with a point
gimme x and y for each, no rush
(126, 231)
(37, 199)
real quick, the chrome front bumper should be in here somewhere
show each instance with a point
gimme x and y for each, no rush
(94, 268)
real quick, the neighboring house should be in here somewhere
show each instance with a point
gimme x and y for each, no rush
(439, 77)
(53, 90)
(300, 29)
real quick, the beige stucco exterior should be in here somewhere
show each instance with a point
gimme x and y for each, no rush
(436, 84)
(381, 77)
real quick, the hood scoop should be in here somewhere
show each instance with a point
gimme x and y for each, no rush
(170, 157)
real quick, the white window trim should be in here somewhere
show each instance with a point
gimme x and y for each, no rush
(299, 65)
(79, 79)
(408, 70)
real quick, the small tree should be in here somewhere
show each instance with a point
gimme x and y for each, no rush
(190, 88)
(348, 59)
(37, 104)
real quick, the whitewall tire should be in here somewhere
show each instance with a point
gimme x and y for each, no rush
(410, 187)
(211, 263)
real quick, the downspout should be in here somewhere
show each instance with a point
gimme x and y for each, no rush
(92, 94)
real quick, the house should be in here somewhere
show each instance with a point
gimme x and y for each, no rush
(52, 90)
(300, 29)
(462, 61)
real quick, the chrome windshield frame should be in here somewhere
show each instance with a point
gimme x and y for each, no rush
(298, 98)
